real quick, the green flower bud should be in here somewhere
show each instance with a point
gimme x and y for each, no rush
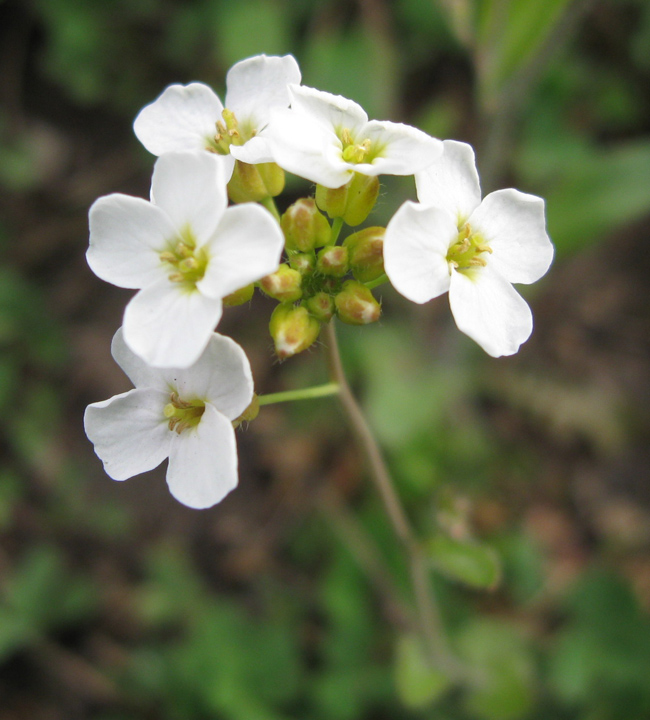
(304, 263)
(239, 297)
(252, 183)
(304, 227)
(352, 202)
(356, 305)
(293, 329)
(251, 412)
(321, 306)
(333, 260)
(283, 285)
(366, 253)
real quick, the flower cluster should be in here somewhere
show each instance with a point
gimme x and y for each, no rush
(211, 233)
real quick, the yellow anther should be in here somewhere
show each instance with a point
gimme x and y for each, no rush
(167, 257)
(176, 277)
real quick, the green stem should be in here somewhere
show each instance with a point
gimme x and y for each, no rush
(336, 230)
(431, 627)
(318, 391)
(381, 280)
(269, 204)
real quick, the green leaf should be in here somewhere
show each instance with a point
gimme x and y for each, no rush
(504, 668)
(418, 683)
(469, 562)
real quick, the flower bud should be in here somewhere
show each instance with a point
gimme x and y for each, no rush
(352, 202)
(293, 329)
(333, 260)
(239, 297)
(356, 305)
(304, 263)
(366, 253)
(252, 183)
(251, 412)
(321, 306)
(283, 285)
(304, 227)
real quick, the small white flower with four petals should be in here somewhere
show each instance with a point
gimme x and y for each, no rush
(192, 118)
(185, 249)
(326, 138)
(182, 414)
(452, 241)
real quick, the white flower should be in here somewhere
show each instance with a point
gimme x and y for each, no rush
(192, 118)
(326, 138)
(185, 249)
(475, 250)
(182, 414)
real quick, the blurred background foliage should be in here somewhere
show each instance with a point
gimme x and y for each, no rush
(526, 476)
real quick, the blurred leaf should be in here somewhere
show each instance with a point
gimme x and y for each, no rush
(249, 28)
(15, 632)
(509, 34)
(470, 562)
(418, 683)
(504, 668)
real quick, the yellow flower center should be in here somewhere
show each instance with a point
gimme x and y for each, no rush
(183, 415)
(186, 262)
(468, 253)
(353, 151)
(229, 132)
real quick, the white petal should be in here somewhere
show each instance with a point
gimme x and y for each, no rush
(405, 149)
(221, 376)
(127, 235)
(488, 309)
(183, 118)
(305, 147)
(129, 432)
(257, 85)
(191, 189)
(135, 368)
(451, 182)
(168, 326)
(332, 111)
(203, 461)
(246, 247)
(256, 150)
(513, 225)
(415, 248)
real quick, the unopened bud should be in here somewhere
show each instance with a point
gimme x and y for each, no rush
(366, 253)
(251, 412)
(283, 285)
(352, 202)
(293, 329)
(321, 306)
(304, 227)
(356, 305)
(304, 263)
(239, 297)
(252, 183)
(333, 260)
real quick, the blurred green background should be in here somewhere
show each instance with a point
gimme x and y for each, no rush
(116, 603)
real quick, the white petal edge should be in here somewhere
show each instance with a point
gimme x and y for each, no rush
(451, 182)
(415, 248)
(246, 247)
(305, 147)
(129, 432)
(221, 376)
(514, 225)
(405, 149)
(490, 311)
(135, 368)
(333, 112)
(257, 85)
(168, 326)
(127, 235)
(191, 189)
(181, 119)
(203, 461)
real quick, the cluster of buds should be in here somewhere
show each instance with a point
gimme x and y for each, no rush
(322, 278)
